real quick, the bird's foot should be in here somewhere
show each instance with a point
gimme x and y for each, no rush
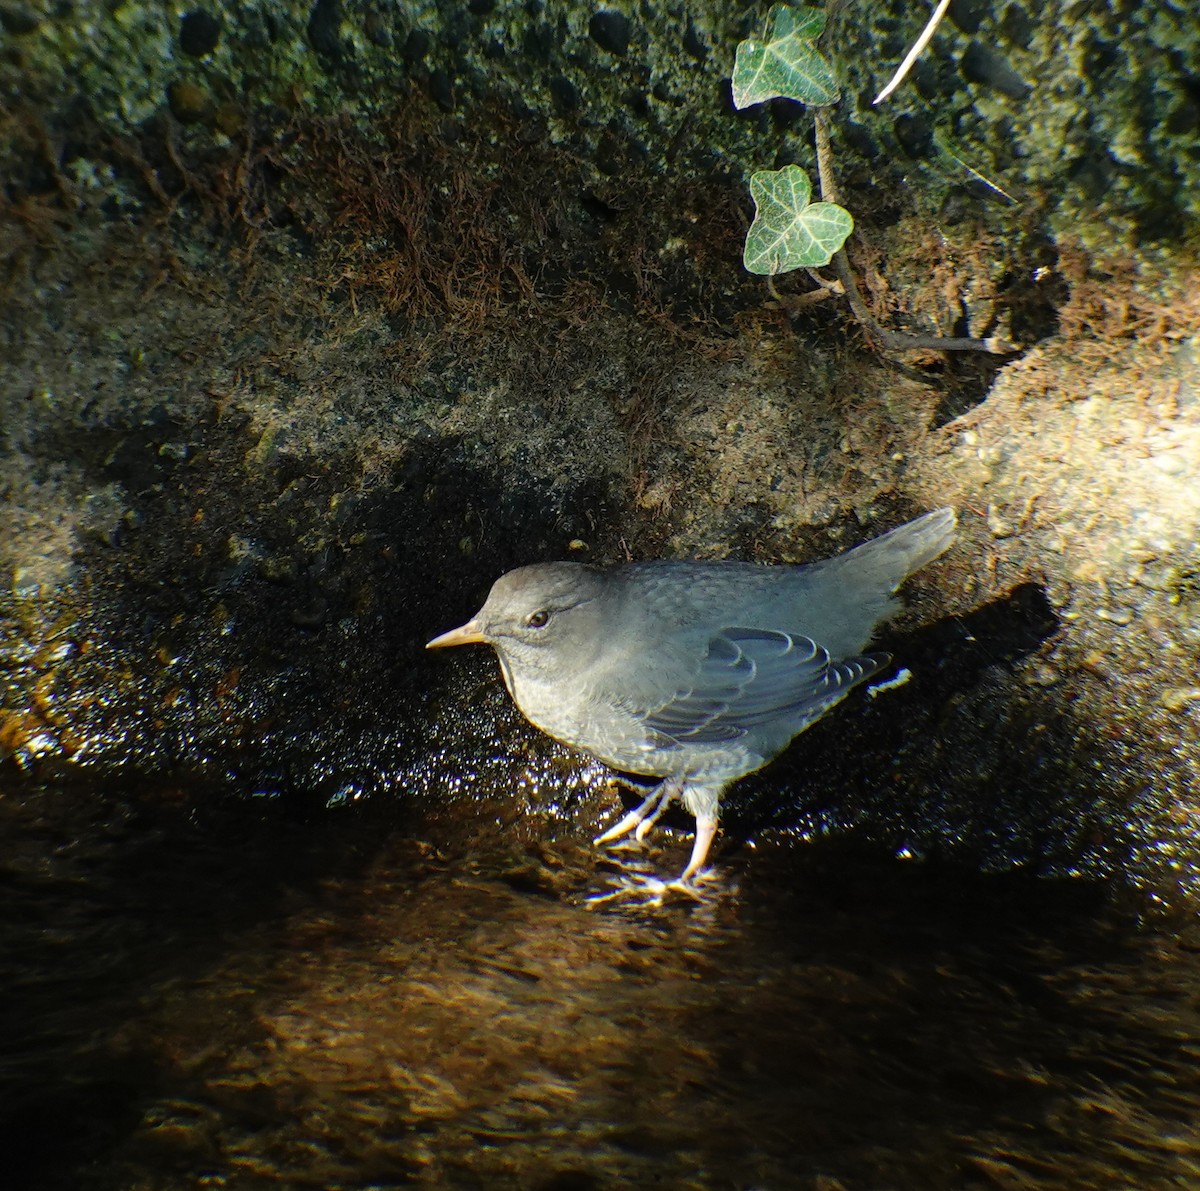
(646, 891)
(645, 815)
(637, 886)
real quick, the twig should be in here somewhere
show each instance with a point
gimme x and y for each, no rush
(824, 157)
(913, 54)
(895, 340)
(794, 303)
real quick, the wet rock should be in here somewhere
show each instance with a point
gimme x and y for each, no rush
(610, 31)
(983, 65)
(441, 89)
(324, 29)
(189, 102)
(26, 584)
(564, 94)
(199, 32)
(18, 19)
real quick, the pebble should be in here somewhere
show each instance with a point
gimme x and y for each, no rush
(1170, 463)
(968, 14)
(416, 45)
(563, 94)
(199, 32)
(997, 526)
(1042, 674)
(189, 102)
(982, 64)
(610, 31)
(1017, 26)
(230, 119)
(914, 134)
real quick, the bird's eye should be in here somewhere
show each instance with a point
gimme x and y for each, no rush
(538, 619)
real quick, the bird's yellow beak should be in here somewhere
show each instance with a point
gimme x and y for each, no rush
(467, 634)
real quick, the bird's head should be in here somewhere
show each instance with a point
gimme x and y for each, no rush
(541, 618)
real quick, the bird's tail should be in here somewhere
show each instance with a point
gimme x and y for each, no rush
(885, 562)
(857, 587)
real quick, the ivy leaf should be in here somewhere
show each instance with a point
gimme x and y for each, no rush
(787, 65)
(788, 231)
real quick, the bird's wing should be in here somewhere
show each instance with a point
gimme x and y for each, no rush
(757, 676)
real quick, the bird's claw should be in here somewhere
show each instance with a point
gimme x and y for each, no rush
(640, 892)
(632, 820)
(646, 891)
(643, 817)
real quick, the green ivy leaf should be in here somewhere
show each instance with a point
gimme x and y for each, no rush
(787, 65)
(788, 231)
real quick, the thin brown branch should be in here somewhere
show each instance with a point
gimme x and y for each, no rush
(893, 340)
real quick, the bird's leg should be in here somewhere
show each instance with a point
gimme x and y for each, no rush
(644, 816)
(706, 829)
(703, 799)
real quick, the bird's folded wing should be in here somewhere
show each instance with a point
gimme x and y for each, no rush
(756, 676)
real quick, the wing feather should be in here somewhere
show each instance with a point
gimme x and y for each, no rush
(751, 677)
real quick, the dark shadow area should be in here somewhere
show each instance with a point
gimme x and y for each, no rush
(252, 717)
(962, 760)
(239, 631)
(931, 1026)
(965, 379)
(115, 892)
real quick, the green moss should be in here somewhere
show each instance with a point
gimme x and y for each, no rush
(1100, 145)
(1104, 139)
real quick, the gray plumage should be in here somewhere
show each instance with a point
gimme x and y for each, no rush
(694, 672)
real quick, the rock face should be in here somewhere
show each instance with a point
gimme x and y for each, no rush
(316, 318)
(1088, 118)
(210, 520)
(438, 356)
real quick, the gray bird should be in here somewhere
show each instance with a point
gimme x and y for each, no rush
(694, 672)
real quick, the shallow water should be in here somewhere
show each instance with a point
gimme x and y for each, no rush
(232, 997)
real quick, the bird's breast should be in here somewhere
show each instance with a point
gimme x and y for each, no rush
(601, 723)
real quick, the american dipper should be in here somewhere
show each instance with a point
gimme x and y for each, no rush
(694, 672)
